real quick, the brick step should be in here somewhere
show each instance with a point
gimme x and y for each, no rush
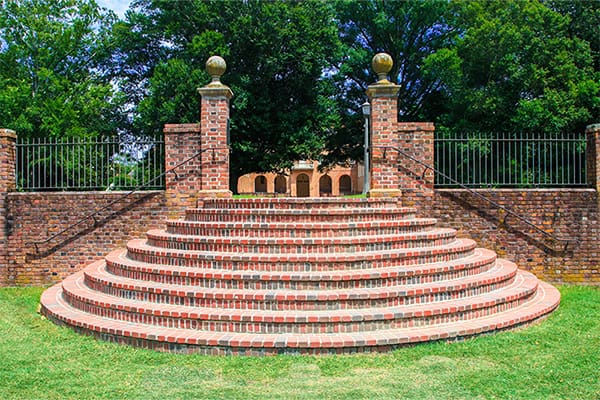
(117, 263)
(139, 250)
(320, 215)
(298, 203)
(289, 245)
(295, 229)
(97, 278)
(77, 294)
(545, 300)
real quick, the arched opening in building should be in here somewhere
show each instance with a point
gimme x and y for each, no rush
(280, 184)
(325, 185)
(345, 184)
(260, 184)
(302, 186)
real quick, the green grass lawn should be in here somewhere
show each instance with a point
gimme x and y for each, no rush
(557, 359)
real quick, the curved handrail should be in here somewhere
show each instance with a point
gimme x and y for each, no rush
(508, 211)
(119, 199)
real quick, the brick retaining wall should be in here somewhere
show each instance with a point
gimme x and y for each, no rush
(569, 213)
(37, 216)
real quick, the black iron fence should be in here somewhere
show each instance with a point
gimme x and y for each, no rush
(482, 160)
(55, 164)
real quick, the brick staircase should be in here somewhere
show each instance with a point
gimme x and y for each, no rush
(324, 275)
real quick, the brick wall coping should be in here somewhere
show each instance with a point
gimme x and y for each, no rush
(87, 193)
(562, 190)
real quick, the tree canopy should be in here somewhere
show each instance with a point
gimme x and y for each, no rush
(299, 69)
(53, 80)
(276, 54)
(515, 68)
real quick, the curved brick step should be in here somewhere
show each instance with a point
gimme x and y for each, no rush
(299, 203)
(264, 276)
(77, 294)
(285, 245)
(117, 263)
(97, 278)
(545, 300)
(139, 250)
(320, 215)
(294, 229)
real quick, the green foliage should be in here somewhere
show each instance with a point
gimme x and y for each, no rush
(407, 30)
(298, 69)
(557, 358)
(515, 68)
(276, 54)
(51, 75)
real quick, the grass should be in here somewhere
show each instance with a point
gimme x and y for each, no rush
(557, 359)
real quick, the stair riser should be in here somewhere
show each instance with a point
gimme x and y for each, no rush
(295, 203)
(279, 325)
(295, 282)
(180, 228)
(373, 215)
(274, 302)
(280, 264)
(294, 248)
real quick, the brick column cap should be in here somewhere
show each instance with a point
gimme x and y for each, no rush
(215, 90)
(592, 128)
(8, 133)
(182, 128)
(383, 90)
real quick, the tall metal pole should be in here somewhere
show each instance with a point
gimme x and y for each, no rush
(366, 110)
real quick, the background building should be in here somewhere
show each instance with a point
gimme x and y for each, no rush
(305, 180)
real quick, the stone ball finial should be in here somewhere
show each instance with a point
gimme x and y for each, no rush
(216, 66)
(382, 64)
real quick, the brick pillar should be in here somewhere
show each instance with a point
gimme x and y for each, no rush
(214, 121)
(593, 155)
(416, 182)
(8, 140)
(383, 97)
(182, 141)
(208, 174)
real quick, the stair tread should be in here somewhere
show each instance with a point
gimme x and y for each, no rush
(458, 245)
(304, 225)
(545, 300)
(480, 254)
(301, 211)
(284, 240)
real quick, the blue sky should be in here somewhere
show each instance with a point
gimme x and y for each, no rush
(118, 6)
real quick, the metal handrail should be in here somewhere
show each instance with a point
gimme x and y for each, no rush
(121, 198)
(508, 211)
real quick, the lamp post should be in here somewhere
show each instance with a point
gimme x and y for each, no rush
(366, 111)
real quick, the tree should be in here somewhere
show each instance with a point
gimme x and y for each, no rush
(407, 30)
(52, 75)
(583, 22)
(515, 68)
(276, 52)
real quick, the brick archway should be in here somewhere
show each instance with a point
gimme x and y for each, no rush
(302, 186)
(280, 184)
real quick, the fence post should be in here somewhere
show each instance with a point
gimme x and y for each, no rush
(383, 97)
(593, 155)
(8, 140)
